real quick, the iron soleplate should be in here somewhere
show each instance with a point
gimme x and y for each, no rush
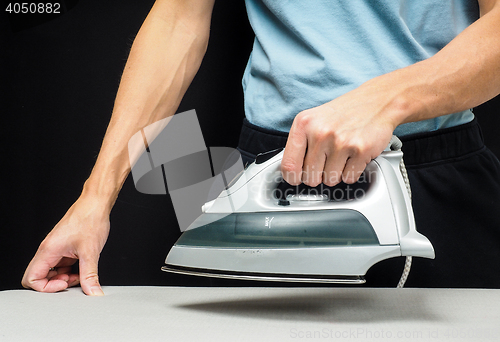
(301, 278)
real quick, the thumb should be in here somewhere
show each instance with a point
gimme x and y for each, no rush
(89, 279)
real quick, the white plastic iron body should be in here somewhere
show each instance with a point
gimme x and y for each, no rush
(248, 233)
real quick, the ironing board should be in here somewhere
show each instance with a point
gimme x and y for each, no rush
(251, 314)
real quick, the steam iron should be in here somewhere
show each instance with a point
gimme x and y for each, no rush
(254, 231)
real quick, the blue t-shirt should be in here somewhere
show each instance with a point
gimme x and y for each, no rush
(307, 53)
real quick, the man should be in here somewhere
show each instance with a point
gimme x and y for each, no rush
(341, 76)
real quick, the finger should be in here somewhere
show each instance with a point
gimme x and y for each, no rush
(56, 278)
(312, 171)
(64, 273)
(353, 169)
(74, 279)
(89, 279)
(36, 276)
(55, 284)
(334, 165)
(62, 276)
(295, 150)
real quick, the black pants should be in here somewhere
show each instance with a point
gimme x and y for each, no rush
(455, 183)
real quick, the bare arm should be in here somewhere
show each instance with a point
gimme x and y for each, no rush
(164, 59)
(463, 75)
(343, 135)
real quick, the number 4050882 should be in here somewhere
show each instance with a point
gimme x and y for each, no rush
(32, 7)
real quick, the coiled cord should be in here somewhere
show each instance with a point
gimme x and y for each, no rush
(396, 145)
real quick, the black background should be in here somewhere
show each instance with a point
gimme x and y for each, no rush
(58, 77)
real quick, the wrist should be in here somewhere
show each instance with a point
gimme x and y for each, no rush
(400, 110)
(102, 194)
(401, 100)
(106, 179)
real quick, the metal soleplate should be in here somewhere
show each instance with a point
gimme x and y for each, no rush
(302, 278)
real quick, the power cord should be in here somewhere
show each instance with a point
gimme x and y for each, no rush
(396, 145)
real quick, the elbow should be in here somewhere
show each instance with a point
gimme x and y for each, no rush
(486, 6)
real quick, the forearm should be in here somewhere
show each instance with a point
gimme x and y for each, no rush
(464, 74)
(164, 59)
